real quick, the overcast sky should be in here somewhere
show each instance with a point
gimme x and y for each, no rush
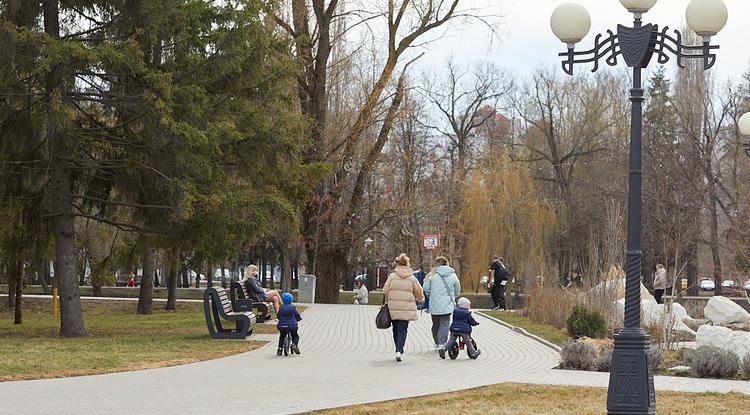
(526, 41)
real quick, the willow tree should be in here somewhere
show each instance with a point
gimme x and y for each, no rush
(503, 214)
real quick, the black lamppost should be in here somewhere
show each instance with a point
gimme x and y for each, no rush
(631, 383)
(744, 126)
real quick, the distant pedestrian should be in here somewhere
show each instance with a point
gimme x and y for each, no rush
(402, 291)
(441, 286)
(361, 293)
(288, 323)
(498, 282)
(660, 282)
(461, 327)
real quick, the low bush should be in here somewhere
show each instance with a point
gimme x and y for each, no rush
(656, 354)
(713, 362)
(604, 361)
(578, 356)
(746, 367)
(586, 323)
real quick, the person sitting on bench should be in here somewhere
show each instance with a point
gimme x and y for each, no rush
(258, 293)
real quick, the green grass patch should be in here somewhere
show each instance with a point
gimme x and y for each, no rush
(118, 340)
(548, 332)
(514, 399)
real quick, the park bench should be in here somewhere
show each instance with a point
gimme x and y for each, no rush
(217, 306)
(241, 301)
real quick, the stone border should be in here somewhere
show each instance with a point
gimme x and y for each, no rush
(523, 332)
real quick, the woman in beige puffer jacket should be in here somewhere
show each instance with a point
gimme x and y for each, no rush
(402, 291)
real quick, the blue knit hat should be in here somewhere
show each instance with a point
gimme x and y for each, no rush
(287, 298)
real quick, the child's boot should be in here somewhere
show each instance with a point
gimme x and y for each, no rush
(476, 354)
(278, 351)
(295, 348)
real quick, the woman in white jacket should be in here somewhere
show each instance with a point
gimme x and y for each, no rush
(660, 282)
(361, 293)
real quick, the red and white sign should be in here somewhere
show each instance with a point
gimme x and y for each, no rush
(431, 242)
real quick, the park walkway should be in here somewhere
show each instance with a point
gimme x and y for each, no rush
(344, 361)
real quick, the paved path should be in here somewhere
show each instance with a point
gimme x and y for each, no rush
(344, 361)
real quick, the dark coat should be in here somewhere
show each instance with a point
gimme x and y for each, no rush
(501, 272)
(288, 317)
(462, 321)
(256, 292)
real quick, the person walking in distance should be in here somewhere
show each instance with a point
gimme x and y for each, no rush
(660, 282)
(442, 287)
(498, 281)
(402, 292)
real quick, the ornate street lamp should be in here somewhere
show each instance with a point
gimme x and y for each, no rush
(744, 125)
(631, 383)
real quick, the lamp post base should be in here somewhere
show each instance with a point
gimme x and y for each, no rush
(631, 382)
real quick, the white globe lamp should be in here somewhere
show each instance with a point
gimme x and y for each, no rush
(570, 22)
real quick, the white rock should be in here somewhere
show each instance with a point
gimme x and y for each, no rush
(679, 369)
(723, 311)
(694, 323)
(653, 313)
(737, 342)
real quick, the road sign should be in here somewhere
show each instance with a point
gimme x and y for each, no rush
(431, 241)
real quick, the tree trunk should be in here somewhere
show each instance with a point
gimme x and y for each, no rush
(146, 293)
(209, 275)
(185, 278)
(263, 269)
(12, 279)
(223, 276)
(172, 283)
(71, 317)
(331, 266)
(715, 241)
(44, 277)
(692, 268)
(286, 271)
(19, 292)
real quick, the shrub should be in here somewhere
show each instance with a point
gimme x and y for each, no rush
(713, 362)
(604, 361)
(578, 355)
(656, 354)
(746, 367)
(586, 323)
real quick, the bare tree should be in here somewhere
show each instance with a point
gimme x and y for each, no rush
(330, 217)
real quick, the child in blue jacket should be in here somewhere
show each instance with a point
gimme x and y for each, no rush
(461, 327)
(288, 323)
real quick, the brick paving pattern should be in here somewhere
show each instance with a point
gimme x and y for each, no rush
(345, 360)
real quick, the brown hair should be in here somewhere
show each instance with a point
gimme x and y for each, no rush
(441, 260)
(403, 260)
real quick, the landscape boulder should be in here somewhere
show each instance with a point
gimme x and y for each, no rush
(737, 342)
(722, 311)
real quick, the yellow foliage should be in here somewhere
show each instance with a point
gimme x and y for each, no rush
(504, 215)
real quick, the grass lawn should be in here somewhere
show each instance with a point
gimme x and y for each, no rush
(550, 333)
(118, 340)
(514, 399)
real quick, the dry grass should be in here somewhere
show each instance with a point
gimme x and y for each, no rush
(550, 305)
(514, 399)
(118, 340)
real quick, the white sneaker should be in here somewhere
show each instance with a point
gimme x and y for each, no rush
(398, 356)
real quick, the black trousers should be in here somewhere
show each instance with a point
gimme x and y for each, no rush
(657, 295)
(283, 333)
(498, 295)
